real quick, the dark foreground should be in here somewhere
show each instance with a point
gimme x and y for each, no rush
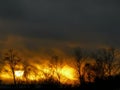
(111, 83)
(53, 87)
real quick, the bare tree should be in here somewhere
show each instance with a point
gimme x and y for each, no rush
(116, 63)
(110, 60)
(78, 60)
(30, 69)
(56, 65)
(90, 72)
(106, 61)
(100, 64)
(12, 60)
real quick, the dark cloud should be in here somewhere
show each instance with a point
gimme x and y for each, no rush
(86, 21)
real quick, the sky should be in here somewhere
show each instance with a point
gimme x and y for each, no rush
(63, 24)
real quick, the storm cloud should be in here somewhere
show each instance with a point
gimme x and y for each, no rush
(60, 23)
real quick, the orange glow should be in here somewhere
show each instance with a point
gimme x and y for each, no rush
(37, 67)
(5, 76)
(63, 73)
(68, 72)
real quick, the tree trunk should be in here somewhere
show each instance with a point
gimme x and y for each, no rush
(14, 80)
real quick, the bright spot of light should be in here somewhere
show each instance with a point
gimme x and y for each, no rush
(19, 73)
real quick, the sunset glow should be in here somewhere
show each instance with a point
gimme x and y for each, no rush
(19, 73)
(65, 73)
(68, 72)
(60, 44)
(39, 70)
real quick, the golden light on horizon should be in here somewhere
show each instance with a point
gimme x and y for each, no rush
(64, 73)
(19, 73)
(68, 72)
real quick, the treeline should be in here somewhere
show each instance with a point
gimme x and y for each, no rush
(102, 72)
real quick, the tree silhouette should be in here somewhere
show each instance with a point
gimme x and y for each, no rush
(109, 56)
(12, 60)
(89, 72)
(28, 69)
(56, 65)
(100, 64)
(79, 59)
(106, 61)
